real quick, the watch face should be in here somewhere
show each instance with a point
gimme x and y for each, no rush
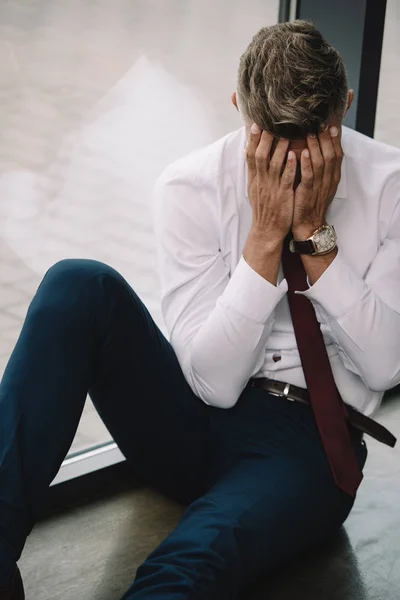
(325, 240)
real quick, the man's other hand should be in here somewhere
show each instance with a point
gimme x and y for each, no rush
(271, 183)
(321, 165)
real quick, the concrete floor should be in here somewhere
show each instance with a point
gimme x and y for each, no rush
(95, 99)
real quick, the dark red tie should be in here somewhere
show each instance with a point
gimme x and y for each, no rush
(329, 409)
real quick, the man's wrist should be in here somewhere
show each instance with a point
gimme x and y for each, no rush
(266, 241)
(302, 232)
(263, 254)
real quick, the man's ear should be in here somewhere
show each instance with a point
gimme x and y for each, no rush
(350, 99)
(234, 101)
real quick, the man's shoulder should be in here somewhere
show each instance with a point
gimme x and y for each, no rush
(368, 153)
(204, 166)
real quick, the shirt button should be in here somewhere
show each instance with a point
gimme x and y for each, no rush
(276, 357)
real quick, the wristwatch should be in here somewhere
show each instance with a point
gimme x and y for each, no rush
(322, 241)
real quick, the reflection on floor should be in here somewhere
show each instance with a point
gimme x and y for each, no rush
(95, 99)
(92, 552)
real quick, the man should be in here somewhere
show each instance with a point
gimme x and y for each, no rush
(252, 272)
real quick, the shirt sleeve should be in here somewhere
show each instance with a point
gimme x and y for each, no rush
(218, 321)
(363, 313)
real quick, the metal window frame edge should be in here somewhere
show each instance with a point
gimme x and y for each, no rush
(88, 462)
(293, 10)
(288, 10)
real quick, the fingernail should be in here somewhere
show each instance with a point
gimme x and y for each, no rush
(306, 153)
(334, 131)
(323, 127)
(255, 128)
(311, 135)
(291, 155)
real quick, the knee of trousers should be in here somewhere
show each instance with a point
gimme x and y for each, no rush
(79, 269)
(71, 283)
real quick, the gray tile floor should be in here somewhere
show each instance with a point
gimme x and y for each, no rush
(95, 99)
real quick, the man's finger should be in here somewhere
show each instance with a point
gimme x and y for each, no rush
(337, 146)
(328, 153)
(336, 141)
(317, 159)
(278, 158)
(289, 174)
(307, 173)
(252, 144)
(263, 152)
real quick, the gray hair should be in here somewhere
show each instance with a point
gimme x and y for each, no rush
(291, 81)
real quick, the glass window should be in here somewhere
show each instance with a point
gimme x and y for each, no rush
(95, 100)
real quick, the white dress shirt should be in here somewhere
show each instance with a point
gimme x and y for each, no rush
(227, 323)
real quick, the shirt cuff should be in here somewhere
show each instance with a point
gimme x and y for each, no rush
(336, 291)
(251, 295)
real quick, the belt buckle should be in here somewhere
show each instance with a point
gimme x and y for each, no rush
(286, 392)
(283, 394)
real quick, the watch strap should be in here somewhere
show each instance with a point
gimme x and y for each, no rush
(305, 247)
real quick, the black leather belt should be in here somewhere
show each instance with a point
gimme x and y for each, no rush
(298, 394)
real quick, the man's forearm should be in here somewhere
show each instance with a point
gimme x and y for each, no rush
(230, 345)
(362, 324)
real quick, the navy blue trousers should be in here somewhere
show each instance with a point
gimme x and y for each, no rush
(255, 476)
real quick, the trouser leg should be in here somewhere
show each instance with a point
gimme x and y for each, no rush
(276, 501)
(87, 330)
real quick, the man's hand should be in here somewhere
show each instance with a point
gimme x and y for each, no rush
(320, 175)
(271, 195)
(270, 184)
